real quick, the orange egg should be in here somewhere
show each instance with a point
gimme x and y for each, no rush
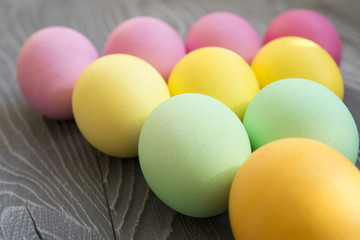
(296, 189)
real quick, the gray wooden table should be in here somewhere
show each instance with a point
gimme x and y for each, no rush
(54, 185)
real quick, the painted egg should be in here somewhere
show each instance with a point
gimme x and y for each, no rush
(308, 24)
(301, 108)
(190, 148)
(295, 57)
(296, 189)
(48, 66)
(148, 38)
(226, 30)
(216, 72)
(112, 99)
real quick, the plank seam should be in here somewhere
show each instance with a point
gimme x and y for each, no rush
(37, 231)
(106, 198)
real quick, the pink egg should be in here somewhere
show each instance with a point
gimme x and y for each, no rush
(227, 30)
(148, 38)
(48, 66)
(307, 24)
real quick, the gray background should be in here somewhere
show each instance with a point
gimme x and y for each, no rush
(54, 185)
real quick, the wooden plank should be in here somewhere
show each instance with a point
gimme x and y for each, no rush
(54, 185)
(50, 182)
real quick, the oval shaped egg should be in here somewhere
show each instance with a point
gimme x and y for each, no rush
(112, 99)
(295, 57)
(308, 24)
(296, 189)
(48, 66)
(226, 30)
(301, 108)
(148, 38)
(216, 72)
(190, 147)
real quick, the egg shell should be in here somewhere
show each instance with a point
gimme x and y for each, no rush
(48, 66)
(307, 24)
(301, 108)
(190, 148)
(111, 100)
(227, 30)
(295, 189)
(216, 72)
(295, 57)
(148, 38)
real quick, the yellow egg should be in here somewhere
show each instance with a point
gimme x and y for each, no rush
(218, 73)
(295, 57)
(111, 100)
(296, 189)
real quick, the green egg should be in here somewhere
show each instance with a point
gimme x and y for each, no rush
(190, 148)
(301, 108)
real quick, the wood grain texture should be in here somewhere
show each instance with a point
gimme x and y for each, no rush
(54, 185)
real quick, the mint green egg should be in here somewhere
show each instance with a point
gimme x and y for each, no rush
(301, 108)
(190, 148)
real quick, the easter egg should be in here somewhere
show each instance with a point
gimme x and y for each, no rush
(295, 57)
(190, 148)
(295, 189)
(301, 108)
(216, 72)
(111, 100)
(226, 30)
(148, 38)
(48, 66)
(307, 24)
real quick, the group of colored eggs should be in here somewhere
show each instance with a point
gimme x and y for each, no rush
(300, 183)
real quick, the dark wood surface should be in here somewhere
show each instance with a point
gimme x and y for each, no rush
(54, 185)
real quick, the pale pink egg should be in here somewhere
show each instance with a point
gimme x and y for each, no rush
(226, 30)
(307, 24)
(48, 66)
(148, 38)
